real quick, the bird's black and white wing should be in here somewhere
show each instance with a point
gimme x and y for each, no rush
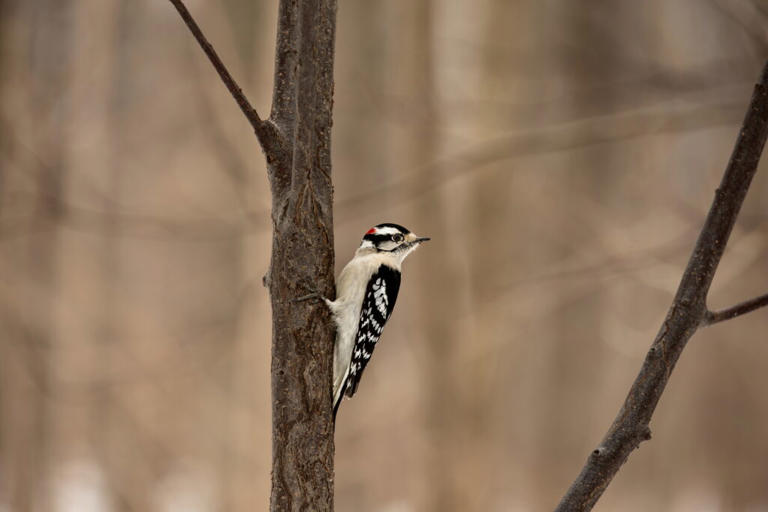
(378, 303)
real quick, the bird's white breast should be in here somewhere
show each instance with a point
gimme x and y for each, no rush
(350, 291)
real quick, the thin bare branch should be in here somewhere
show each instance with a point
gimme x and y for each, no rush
(261, 128)
(687, 313)
(742, 308)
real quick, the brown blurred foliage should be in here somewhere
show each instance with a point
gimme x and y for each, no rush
(560, 155)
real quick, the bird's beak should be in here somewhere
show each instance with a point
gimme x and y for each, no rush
(412, 241)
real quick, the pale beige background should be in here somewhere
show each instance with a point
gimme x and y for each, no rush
(560, 154)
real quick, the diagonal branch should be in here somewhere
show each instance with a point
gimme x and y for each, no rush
(265, 132)
(687, 313)
(742, 308)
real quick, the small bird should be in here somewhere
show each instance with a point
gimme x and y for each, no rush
(366, 291)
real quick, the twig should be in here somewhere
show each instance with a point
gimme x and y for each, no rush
(259, 126)
(713, 317)
(687, 313)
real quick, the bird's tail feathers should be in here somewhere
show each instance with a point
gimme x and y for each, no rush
(339, 397)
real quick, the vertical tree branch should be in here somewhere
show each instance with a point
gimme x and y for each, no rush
(296, 144)
(302, 259)
(286, 56)
(687, 313)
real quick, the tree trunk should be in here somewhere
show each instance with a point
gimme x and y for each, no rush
(302, 257)
(296, 140)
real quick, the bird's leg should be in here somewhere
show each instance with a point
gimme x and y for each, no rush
(314, 295)
(309, 296)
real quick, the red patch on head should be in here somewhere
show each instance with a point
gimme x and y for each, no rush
(370, 231)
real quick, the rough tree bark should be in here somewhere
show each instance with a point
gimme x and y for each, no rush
(687, 314)
(296, 143)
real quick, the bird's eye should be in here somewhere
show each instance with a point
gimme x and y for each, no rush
(397, 237)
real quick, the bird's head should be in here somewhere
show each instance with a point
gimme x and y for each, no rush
(391, 238)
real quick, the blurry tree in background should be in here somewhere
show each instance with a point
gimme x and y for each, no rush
(561, 158)
(30, 318)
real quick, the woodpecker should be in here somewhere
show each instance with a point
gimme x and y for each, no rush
(366, 291)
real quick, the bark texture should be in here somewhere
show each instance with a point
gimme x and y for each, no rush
(688, 313)
(296, 140)
(302, 258)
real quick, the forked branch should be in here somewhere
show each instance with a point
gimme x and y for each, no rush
(265, 132)
(687, 313)
(296, 140)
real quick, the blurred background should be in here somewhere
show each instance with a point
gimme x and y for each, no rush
(561, 155)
